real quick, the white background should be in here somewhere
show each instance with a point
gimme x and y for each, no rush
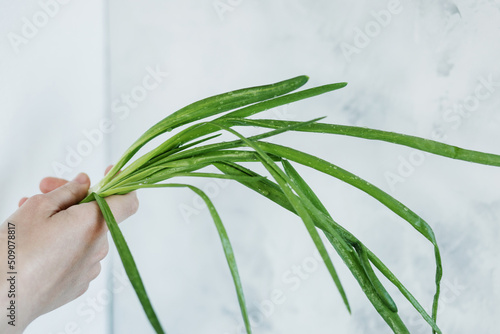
(413, 73)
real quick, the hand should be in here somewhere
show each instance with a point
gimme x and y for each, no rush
(58, 247)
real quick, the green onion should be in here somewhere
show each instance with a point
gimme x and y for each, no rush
(195, 147)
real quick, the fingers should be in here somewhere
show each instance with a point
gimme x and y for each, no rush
(22, 200)
(47, 185)
(60, 194)
(50, 183)
(70, 193)
(95, 271)
(122, 207)
(108, 169)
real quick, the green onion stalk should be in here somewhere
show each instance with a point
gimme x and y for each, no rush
(196, 145)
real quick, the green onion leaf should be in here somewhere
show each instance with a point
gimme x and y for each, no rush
(128, 263)
(226, 244)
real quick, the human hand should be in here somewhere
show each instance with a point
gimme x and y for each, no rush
(58, 247)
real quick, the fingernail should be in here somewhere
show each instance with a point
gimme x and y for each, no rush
(81, 178)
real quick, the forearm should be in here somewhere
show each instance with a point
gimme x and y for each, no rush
(9, 321)
(11, 315)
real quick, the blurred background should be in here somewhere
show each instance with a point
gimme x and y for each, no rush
(80, 81)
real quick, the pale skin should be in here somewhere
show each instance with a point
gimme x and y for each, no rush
(59, 247)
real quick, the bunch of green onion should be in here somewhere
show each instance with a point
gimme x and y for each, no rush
(195, 147)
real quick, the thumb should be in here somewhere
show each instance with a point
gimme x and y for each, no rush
(69, 194)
